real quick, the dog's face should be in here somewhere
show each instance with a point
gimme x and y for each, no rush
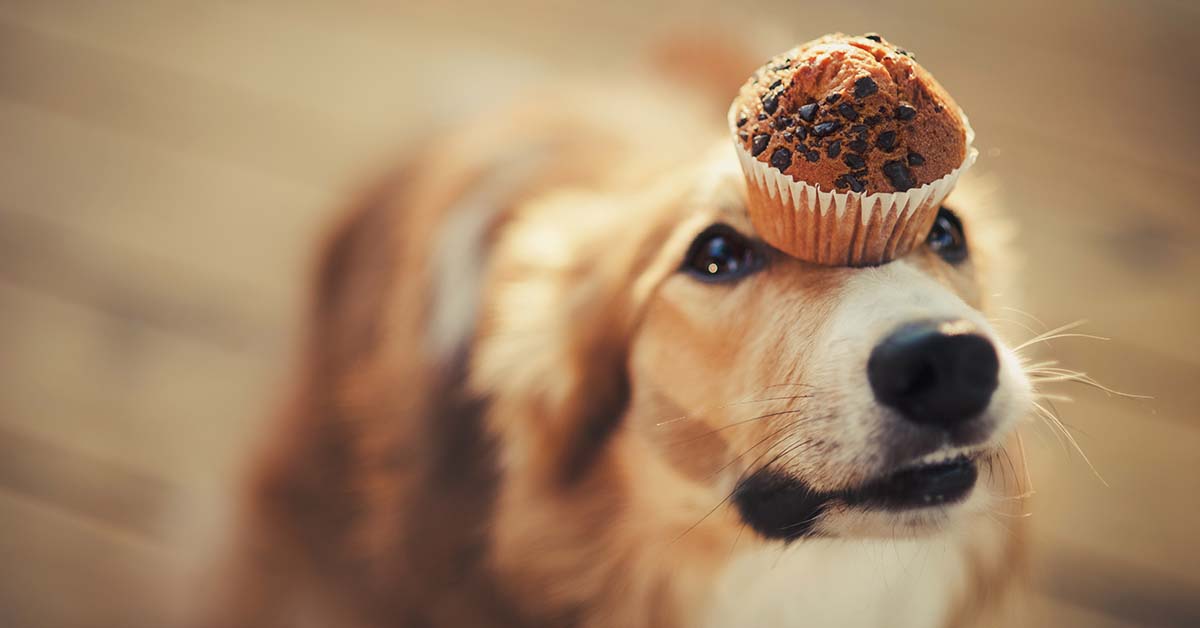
(818, 400)
(793, 398)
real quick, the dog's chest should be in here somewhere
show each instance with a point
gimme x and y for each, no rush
(814, 584)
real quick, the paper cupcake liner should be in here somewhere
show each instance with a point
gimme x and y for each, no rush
(843, 228)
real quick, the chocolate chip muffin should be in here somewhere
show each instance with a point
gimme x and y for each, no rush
(852, 125)
(851, 114)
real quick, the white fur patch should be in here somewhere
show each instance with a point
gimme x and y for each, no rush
(460, 255)
(818, 583)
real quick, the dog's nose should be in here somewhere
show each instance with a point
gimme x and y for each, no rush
(938, 373)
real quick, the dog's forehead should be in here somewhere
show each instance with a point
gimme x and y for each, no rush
(722, 193)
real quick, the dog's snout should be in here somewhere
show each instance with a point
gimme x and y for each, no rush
(938, 373)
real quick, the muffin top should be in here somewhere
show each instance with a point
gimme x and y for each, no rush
(850, 114)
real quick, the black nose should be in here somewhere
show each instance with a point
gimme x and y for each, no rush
(935, 373)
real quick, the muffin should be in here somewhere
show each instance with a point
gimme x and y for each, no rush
(848, 147)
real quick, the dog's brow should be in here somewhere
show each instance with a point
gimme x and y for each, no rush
(731, 206)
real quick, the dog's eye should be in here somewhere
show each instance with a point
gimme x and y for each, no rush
(947, 238)
(720, 253)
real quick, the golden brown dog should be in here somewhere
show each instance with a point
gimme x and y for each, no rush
(552, 378)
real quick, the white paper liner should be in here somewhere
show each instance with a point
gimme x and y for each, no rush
(888, 225)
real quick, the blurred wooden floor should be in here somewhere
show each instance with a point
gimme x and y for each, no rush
(166, 166)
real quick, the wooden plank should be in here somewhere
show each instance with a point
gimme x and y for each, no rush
(1145, 515)
(79, 199)
(161, 404)
(1038, 609)
(274, 52)
(62, 571)
(88, 487)
(1112, 588)
(186, 113)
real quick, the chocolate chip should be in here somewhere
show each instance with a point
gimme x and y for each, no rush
(858, 146)
(861, 174)
(905, 53)
(742, 120)
(787, 136)
(782, 65)
(873, 120)
(855, 184)
(864, 87)
(825, 128)
(812, 155)
(841, 182)
(915, 159)
(832, 98)
(848, 111)
(759, 144)
(742, 136)
(809, 111)
(886, 140)
(937, 108)
(905, 112)
(860, 131)
(781, 158)
(801, 132)
(783, 122)
(770, 102)
(854, 161)
(777, 83)
(875, 38)
(899, 175)
(833, 149)
(762, 116)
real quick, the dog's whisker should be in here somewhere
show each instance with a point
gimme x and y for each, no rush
(787, 398)
(752, 464)
(801, 523)
(1024, 495)
(991, 515)
(1051, 375)
(776, 432)
(791, 451)
(1012, 469)
(1039, 340)
(732, 425)
(729, 405)
(998, 321)
(706, 516)
(1024, 463)
(1038, 365)
(735, 487)
(1044, 335)
(1053, 418)
(1023, 313)
(1054, 431)
(1008, 515)
(1054, 397)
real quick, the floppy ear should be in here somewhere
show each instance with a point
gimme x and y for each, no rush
(569, 279)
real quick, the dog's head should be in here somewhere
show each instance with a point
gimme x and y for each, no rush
(794, 398)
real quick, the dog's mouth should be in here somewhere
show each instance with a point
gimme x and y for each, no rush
(935, 480)
(778, 505)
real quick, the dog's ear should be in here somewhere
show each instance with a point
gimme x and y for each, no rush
(569, 279)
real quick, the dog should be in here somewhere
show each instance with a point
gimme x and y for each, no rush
(552, 377)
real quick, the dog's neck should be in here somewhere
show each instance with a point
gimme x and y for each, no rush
(900, 583)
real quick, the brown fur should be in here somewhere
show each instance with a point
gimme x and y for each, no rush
(538, 476)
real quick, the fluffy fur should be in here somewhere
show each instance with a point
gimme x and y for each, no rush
(515, 410)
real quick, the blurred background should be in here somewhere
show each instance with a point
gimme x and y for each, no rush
(166, 167)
